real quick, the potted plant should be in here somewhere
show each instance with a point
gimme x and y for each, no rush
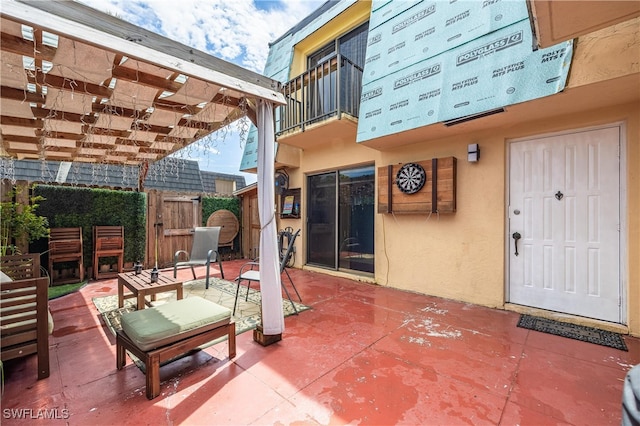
(20, 224)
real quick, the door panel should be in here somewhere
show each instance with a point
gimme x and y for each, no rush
(321, 220)
(355, 224)
(340, 219)
(171, 220)
(565, 203)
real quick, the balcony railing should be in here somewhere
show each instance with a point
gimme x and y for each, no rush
(327, 90)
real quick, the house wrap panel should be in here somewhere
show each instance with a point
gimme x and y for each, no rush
(430, 28)
(383, 10)
(489, 72)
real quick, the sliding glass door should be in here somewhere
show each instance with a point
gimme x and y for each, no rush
(340, 225)
(321, 222)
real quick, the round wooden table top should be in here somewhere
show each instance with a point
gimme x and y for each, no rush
(229, 223)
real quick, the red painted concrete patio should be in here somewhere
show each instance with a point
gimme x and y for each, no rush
(363, 354)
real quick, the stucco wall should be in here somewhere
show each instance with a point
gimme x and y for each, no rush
(462, 255)
(459, 255)
(606, 54)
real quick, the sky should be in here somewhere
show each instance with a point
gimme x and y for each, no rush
(238, 31)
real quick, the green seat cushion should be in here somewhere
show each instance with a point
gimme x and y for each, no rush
(172, 321)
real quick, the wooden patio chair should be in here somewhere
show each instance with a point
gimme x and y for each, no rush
(108, 241)
(65, 245)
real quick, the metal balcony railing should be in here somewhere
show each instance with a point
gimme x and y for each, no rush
(331, 88)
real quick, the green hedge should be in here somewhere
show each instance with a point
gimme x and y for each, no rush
(210, 205)
(85, 207)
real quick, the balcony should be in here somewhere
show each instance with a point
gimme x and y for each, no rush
(328, 94)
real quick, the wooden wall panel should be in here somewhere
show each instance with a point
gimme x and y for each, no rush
(392, 200)
(250, 226)
(176, 216)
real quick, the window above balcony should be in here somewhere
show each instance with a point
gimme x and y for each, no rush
(330, 87)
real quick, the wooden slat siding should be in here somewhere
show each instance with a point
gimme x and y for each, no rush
(179, 214)
(178, 232)
(249, 202)
(152, 217)
(434, 185)
(420, 202)
(250, 225)
(245, 206)
(255, 227)
(389, 189)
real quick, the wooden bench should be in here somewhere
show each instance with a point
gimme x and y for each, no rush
(24, 315)
(65, 245)
(108, 241)
(165, 332)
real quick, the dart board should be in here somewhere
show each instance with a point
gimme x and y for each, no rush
(411, 178)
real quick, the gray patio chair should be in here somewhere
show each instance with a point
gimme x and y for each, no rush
(249, 273)
(203, 251)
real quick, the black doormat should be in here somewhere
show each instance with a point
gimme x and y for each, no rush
(573, 331)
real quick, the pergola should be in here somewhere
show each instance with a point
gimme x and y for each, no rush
(79, 85)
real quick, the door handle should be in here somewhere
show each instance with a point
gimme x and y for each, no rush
(516, 236)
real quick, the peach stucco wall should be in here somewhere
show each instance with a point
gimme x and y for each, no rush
(462, 255)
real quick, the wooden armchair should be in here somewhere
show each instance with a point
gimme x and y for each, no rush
(108, 241)
(65, 245)
(21, 266)
(24, 310)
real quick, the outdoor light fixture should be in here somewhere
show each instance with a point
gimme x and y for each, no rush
(473, 153)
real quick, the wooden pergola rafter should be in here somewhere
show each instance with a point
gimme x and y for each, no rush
(80, 85)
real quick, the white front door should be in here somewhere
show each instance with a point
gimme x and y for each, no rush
(564, 204)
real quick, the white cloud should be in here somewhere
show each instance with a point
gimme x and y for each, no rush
(238, 31)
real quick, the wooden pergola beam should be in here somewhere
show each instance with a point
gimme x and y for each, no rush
(75, 124)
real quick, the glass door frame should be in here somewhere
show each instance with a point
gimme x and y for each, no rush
(314, 218)
(325, 254)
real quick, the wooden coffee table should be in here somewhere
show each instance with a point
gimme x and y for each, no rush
(141, 286)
